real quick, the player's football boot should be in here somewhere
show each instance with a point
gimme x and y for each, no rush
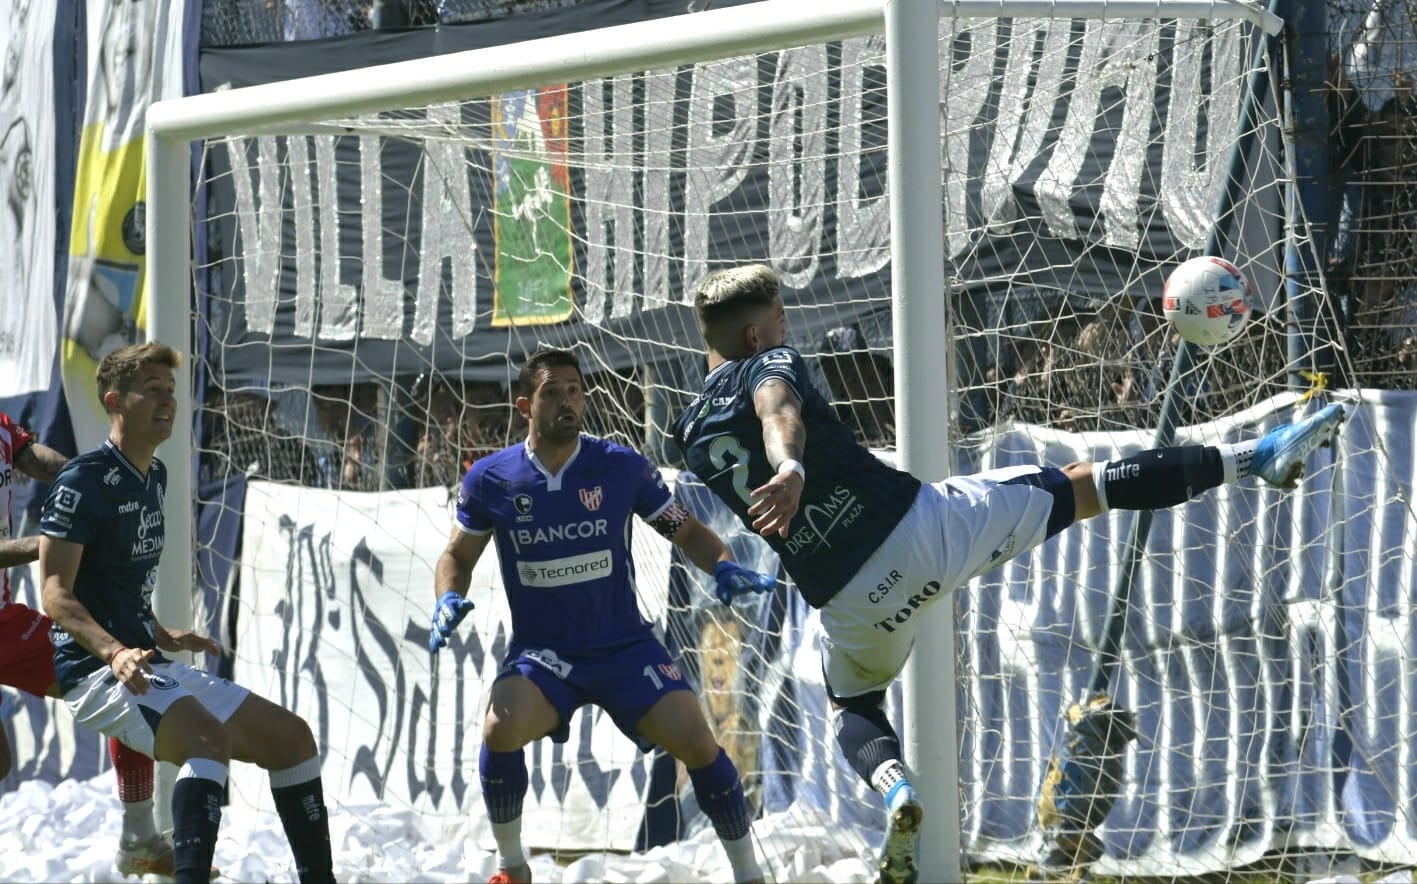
(150, 857)
(518, 875)
(1279, 457)
(898, 864)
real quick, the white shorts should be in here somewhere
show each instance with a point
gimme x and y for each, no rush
(102, 703)
(957, 530)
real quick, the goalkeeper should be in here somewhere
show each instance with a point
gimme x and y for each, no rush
(871, 546)
(559, 507)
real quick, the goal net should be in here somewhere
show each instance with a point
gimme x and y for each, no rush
(377, 252)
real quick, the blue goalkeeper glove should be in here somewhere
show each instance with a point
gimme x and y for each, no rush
(734, 580)
(447, 614)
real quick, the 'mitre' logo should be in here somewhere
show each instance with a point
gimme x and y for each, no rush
(591, 498)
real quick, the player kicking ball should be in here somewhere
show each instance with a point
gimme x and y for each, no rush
(870, 546)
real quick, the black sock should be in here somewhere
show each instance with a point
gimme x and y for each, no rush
(196, 819)
(302, 811)
(866, 738)
(1159, 478)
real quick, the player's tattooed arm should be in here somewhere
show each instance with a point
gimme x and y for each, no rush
(40, 461)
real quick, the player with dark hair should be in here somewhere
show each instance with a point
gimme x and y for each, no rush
(27, 662)
(102, 534)
(870, 546)
(559, 508)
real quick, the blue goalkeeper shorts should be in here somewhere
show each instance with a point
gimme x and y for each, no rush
(625, 681)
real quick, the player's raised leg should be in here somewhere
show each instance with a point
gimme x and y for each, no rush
(676, 724)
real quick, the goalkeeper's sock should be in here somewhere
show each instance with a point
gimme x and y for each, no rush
(1159, 478)
(504, 785)
(719, 790)
(196, 817)
(300, 803)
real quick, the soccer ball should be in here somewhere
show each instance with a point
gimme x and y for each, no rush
(1207, 300)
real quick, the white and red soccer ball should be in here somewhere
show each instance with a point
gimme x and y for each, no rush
(1207, 300)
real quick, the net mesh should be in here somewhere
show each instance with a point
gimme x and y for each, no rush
(372, 284)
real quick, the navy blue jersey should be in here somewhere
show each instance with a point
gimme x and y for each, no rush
(100, 500)
(564, 540)
(852, 500)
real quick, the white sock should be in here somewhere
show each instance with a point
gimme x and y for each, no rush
(509, 844)
(887, 775)
(1236, 459)
(138, 821)
(743, 859)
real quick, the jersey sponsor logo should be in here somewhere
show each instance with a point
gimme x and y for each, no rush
(592, 498)
(566, 571)
(150, 540)
(582, 530)
(884, 588)
(112, 478)
(837, 512)
(913, 603)
(162, 682)
(1122, 471)
(66, 500)
(129, 507)
(724, 400)
(549, 660)
(780, 357)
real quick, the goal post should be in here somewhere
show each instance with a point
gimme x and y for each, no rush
(925, 228)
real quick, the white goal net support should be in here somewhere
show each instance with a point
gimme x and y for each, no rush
(378, 250)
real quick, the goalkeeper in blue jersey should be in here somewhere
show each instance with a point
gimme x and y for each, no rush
(870, 546)
(559, 507)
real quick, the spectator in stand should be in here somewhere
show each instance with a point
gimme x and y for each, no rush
(862, 384)
(464, 422)
(246, 438)
(346, 416)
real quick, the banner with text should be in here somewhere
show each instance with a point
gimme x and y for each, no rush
(27, 118)
(429, 237)
(1232, 664)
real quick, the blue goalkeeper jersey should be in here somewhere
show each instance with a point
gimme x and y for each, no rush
(102, 501)
(852, 500)
(564, 540)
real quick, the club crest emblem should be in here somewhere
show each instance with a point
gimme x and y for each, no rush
(523, 503)
(591, 498)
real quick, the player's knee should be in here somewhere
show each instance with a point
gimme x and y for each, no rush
(185, 738)
(697, 749)
(505, 733)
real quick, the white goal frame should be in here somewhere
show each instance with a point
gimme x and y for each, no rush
(911, 29)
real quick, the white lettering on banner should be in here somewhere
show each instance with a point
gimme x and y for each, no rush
(631, 168)
(566, 571)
